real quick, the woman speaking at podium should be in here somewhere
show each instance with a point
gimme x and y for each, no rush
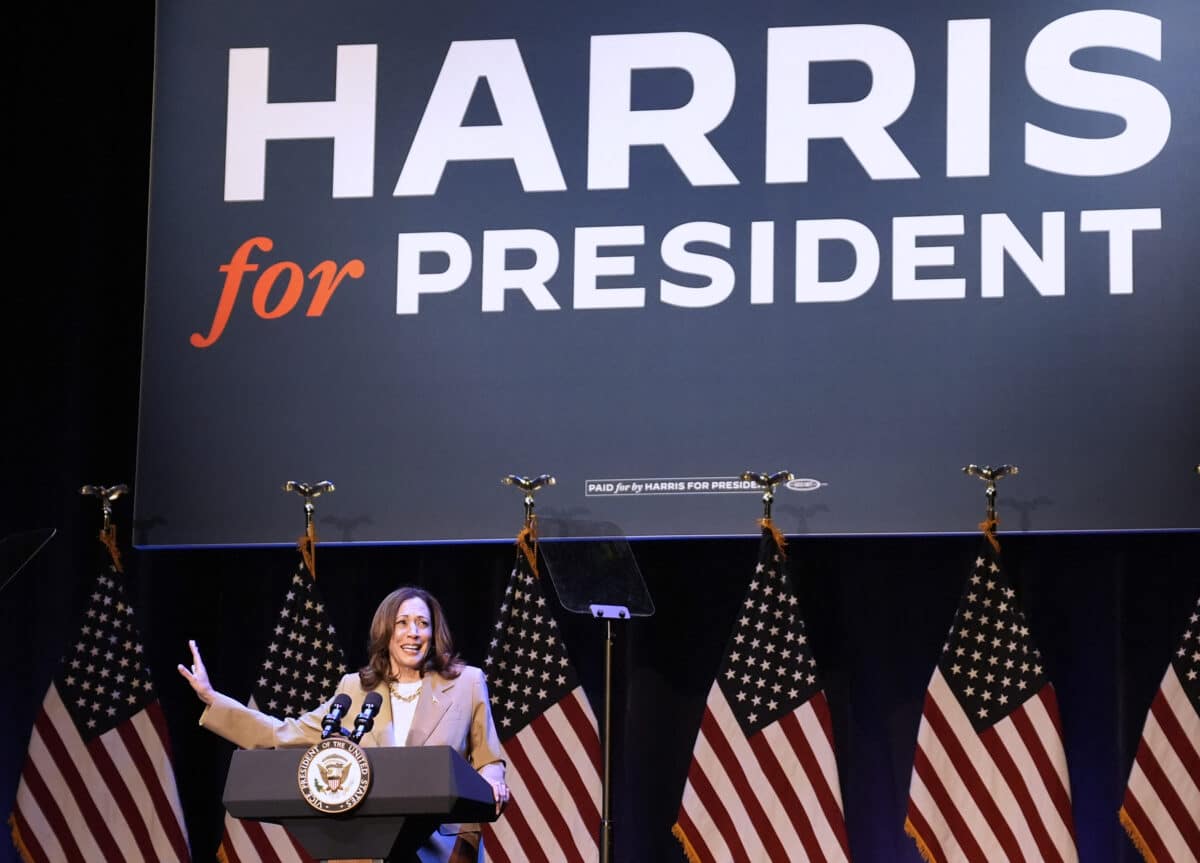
(429, 698)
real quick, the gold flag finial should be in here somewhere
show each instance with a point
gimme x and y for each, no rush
(308, 542)
(527, 538)
(108, 531)
(991, 475)
(768, 482)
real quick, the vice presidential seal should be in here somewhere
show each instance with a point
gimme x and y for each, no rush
(334, 775)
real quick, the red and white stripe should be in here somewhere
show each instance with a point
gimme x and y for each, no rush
(1161, 809)
(1003, 795)
(771, 796)
(257, 841)
(254, 841)
(113, 798)
(553, 772)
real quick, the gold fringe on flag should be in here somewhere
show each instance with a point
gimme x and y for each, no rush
(222, 854)
(527, 543)
(108, 536)
(18, 841)
(776, 534)
(307, 545)
(988, 526)
(1135, 836)
(692, 856)
(926, 854)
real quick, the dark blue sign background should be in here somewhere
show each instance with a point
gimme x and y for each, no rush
(416, 417)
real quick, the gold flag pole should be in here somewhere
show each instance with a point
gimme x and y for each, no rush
(991, 475)
(768, 482)
(308, 542)
(527, 538)
(108, 531)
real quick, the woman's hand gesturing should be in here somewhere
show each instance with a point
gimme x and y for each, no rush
(197, 676)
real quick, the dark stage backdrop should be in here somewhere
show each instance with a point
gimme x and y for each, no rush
(1105, 608)
(647, 246)
(1106, 611)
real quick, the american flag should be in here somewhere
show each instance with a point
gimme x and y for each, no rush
(763, 781)
(547, 731)
(98, 782)
(301, 668)
(989, 779)
(1161, 810)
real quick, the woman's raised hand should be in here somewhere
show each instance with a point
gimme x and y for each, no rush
(197, 676)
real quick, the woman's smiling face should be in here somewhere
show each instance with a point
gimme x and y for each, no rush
(410, 639)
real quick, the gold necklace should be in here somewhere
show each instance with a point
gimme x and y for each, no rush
(394, 686)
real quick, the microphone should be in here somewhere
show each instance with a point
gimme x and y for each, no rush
(332, 723)
(365, 721)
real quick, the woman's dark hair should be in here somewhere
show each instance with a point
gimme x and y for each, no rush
(441, 656)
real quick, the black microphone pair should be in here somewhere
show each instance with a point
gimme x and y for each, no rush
(364, 722)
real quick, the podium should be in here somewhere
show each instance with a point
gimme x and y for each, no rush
(413, 790)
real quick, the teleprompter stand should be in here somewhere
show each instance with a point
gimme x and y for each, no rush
(413, 790)
(594, 572)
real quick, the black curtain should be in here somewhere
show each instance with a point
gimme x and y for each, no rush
(1106, 610)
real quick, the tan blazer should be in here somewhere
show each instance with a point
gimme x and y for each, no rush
(449, 713)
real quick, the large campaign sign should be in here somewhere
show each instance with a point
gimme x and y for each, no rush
(644, 247)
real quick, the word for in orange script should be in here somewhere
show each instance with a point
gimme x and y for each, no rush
(328, 276)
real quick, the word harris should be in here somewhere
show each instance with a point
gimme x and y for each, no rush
(615, 128)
